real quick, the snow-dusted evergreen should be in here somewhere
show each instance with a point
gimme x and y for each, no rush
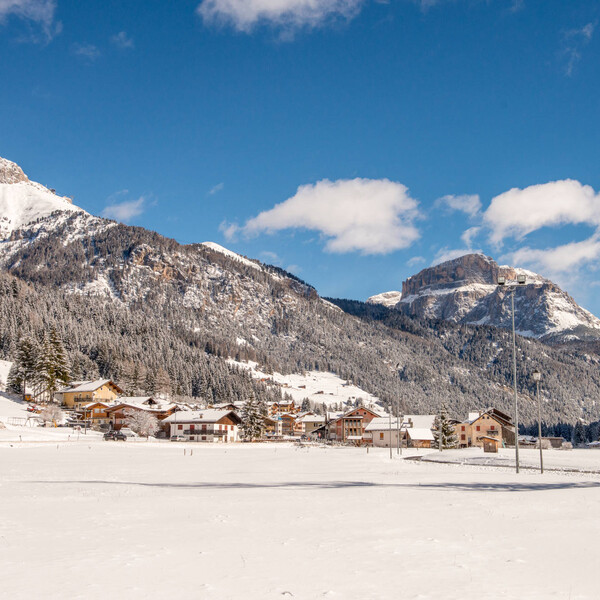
(443, 431)
(253, 414)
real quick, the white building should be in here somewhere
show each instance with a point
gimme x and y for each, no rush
(209, 425)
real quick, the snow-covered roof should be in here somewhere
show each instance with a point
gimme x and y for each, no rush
(312, 419)
(210, 415)
(418, 433)
(383, 424)
(147, 403)
(89, 386)
(421, 421)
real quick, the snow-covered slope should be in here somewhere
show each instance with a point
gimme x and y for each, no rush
(465, 290)
(386, 298)
(22, 202)
(230, 254)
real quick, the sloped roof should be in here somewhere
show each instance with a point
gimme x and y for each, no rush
(210, 415)
(383, 424)
(418, 433)
(91, 386)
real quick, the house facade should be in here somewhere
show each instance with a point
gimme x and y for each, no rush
(350, 427)
(119, 411)
(487, 423)
(80, 393)
(211, 425)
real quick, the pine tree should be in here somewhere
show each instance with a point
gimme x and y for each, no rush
(579, 434)
(51, 369)
(443, 432)
(60, 360)
(23, 370)
(253, 415)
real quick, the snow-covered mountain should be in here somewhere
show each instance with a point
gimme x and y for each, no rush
(23, 202)
(131, 301)
(465, 290)
(389, 299)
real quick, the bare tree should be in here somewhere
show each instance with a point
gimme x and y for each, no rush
(51, 414)
(141, 422)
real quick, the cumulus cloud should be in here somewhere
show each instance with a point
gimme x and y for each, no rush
(468, 235)
(125, 211)
(122, 40)
(561, 259)
(40, 12)
(372, 216)
(521, 211)
(245, 15)
(470, 204)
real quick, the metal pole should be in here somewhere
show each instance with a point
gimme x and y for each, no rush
(390, 427)
(540, 427)
(398, 427)
(512, 298)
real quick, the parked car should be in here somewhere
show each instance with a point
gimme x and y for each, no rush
(177, 438)
(128, 432)
(117, 436)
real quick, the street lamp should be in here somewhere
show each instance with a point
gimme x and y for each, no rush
(537, 376)
(511, 284)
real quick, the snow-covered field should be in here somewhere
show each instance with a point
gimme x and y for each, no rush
(318, 386)
(94, 519)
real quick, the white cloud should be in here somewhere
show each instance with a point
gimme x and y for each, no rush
(416, 260)
(470, 204)
(216, 189)
(561, 259)
(373, 216)
(87, 51)
(125, 211)
(468, 235)
(573, 42)
(122, 40)
(520, 211)
(41, 12)
(245, 15)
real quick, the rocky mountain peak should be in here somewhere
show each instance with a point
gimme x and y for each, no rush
(11, 172)
(470, 268)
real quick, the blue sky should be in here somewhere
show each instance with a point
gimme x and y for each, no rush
(353, 142)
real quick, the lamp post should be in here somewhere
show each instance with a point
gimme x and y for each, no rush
(502, 281)
(537, 376)
(390, 426)
(398, 444)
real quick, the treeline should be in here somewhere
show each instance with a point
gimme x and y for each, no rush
(148, 312)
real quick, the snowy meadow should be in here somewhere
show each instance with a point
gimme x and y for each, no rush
(95, 519)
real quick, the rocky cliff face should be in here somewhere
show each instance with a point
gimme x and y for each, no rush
(10, 172)
(465, 290)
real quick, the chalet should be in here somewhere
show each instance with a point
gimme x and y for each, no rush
(273, 426)
(282, 406)
(80, 393)
(308, 422)
(95, 413)
(118, 411)
(288, 422)
(209, 425)
(350, 427)
(491, 423)
(413, 431)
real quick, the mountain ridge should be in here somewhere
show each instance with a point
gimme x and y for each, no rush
(465, 290)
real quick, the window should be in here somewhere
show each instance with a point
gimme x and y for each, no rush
(204, 438)
(192, 427)
(462, 428)
(463, 437)
(478, 428)
(381, 436)
(179, 427)
(492, 427)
